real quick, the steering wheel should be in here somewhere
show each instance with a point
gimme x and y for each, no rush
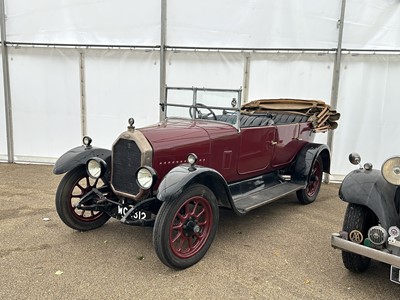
(200, 114)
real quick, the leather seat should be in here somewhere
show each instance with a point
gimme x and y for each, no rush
(228, 118)
(289, 118)
(255, 120)
(263, 120)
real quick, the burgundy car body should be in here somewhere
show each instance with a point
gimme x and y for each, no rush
(175, 174)
(236, 156)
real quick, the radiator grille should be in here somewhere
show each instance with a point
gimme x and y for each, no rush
(126, 161)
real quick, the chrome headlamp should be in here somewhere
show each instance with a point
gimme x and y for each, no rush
(391, 170)
(192, 158)
(96, 167)
(145, 177)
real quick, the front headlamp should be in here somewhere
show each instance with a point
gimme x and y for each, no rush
(192, 159)
(391, 170)
(96, 167)
(145, 177)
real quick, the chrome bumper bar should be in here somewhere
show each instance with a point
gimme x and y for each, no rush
(387, 258)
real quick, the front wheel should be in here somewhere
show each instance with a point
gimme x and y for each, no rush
(359, 219)
(74, 185)
(185, 228)
(310, 193)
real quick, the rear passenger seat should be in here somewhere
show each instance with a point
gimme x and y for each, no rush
(289, 118)
(257, 120)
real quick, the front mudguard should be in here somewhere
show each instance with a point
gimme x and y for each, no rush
(370, 189)
(181, 177)
(79, 156)
(305, 160)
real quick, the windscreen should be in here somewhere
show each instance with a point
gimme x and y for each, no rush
(206, 104)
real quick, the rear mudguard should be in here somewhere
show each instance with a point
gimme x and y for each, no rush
(305, 160)
(370, 189)
(79, 156)
(181, 177)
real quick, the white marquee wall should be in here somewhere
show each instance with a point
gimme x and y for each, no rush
(369, 102)
(45, 101)
(207, 44)
(120, 84)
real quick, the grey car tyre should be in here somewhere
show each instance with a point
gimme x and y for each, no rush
(361, 218)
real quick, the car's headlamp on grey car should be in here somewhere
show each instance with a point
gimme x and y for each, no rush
(391, 170)
(145, 177)
(87, 141)
(355, 158)
(96, 167)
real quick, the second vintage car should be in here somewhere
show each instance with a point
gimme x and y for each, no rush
(372, 219)
(208, 151)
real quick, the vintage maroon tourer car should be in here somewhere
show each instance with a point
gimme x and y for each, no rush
(208, 152)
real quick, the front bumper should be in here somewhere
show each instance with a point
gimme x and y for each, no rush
(338, 242)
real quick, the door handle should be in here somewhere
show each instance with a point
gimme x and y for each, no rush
(274, 143)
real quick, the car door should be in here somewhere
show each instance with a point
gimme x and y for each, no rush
(286, 144)
(257, 146)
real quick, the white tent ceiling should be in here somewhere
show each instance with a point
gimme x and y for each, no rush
(88, 65)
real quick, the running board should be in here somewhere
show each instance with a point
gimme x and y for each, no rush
(244, 204)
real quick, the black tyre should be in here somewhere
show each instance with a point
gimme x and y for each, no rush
(185, 228)
(361, 218)
(310, 193)
(74, 185)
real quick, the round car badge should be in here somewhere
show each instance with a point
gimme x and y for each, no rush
(394, 231)
(356, 236)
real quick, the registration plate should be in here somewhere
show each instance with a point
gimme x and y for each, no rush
(137, 215)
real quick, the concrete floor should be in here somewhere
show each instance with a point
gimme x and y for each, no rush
(280, 251)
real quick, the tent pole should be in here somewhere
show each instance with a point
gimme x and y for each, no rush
(6, 82)
(162, 55)
(246, 79)
(82, 85)
(336, 74)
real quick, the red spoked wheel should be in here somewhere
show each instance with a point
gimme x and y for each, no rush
(310, 193)
(191, 227)
(74, 185)
(185, 228)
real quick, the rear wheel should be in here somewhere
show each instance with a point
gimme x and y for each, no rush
(357, 218)
(185, 228)
(310, 193)
(74, 185)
